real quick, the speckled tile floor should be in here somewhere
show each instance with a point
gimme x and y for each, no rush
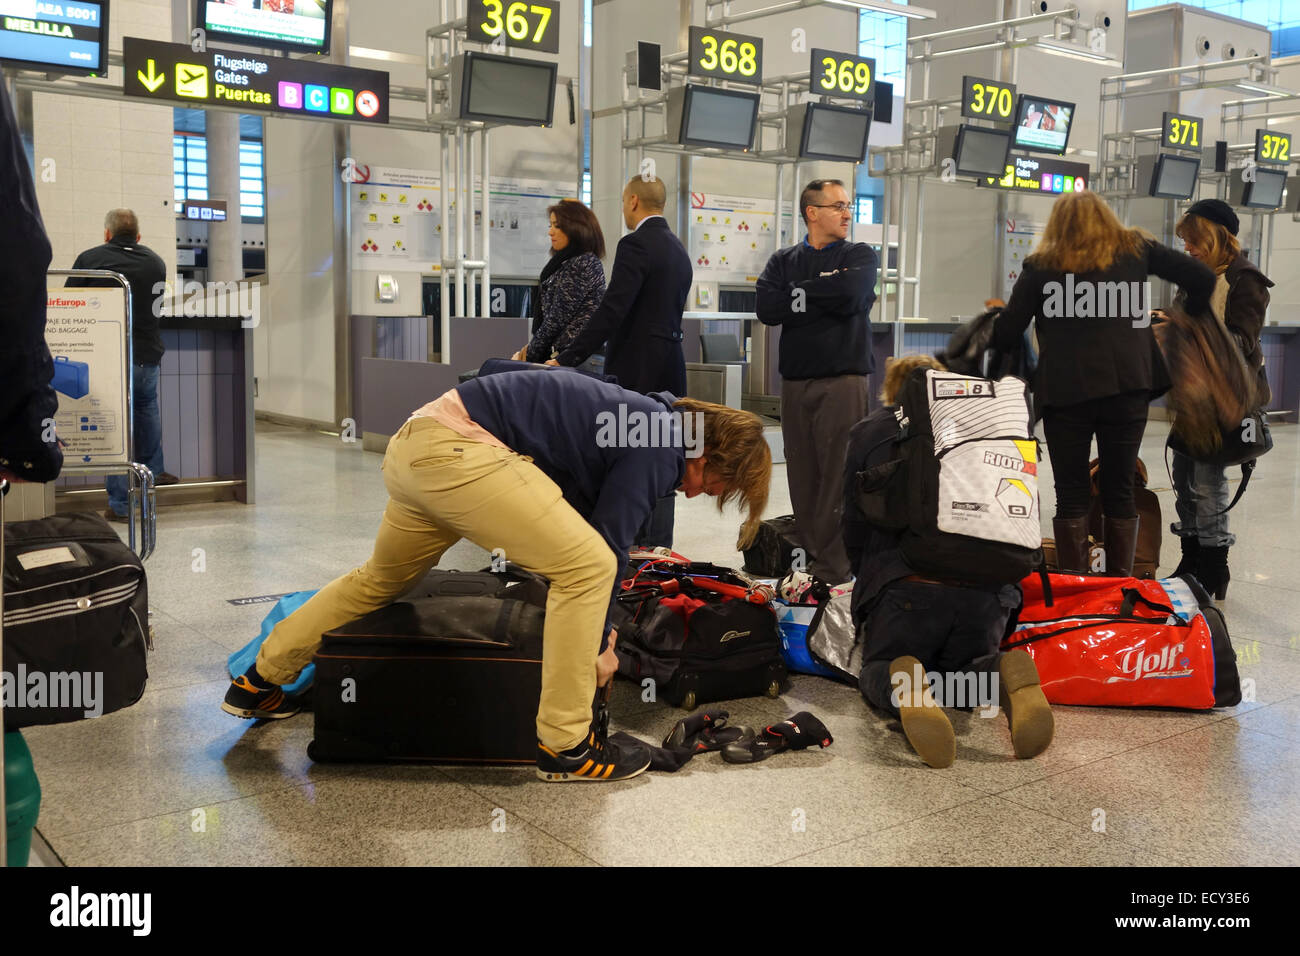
(173, 780)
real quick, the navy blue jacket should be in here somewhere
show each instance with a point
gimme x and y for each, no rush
(640, 316)
(825, 329)
(561, 419)
(26, 398)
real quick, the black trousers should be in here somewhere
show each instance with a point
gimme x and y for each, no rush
(657, 532)
(1118, 421)
(948, 629)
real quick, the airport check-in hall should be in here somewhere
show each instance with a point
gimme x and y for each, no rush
(478, 433)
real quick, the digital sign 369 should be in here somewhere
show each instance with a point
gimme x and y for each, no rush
(253, 83)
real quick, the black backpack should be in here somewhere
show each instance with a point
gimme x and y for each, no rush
(961, 484)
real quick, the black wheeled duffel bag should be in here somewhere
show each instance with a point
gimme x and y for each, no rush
(451, 673)
(76, 621)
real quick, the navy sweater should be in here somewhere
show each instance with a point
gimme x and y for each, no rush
(825, 330)
(561, 419)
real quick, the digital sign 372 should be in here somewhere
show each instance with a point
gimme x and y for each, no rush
(253, 83)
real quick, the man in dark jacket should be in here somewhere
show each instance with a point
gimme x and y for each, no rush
(531, 462)
(145, 271)
(640, 317)
(28, 448)
(912, 626)
(820, 293)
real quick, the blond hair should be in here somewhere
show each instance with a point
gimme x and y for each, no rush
(1220, 246)
(1083, 234)
(736, 453)
(898, 368)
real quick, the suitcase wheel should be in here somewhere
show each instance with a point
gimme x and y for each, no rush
(774, 689)
(689, 700)
(312, 752)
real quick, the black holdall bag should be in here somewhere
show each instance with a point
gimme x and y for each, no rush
(962, 482)
(450, 673)
(772, 553)
(701, 633)
(76, 621)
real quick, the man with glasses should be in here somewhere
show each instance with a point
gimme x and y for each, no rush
(819, 292)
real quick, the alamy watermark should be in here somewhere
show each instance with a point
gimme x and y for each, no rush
(242, 300)
(639, 429)
(1089, 299)
(958, 689)
(62, 690)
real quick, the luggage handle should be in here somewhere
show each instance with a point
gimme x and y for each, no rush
(1133, 597)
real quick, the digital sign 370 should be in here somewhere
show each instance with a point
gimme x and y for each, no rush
(253, 83)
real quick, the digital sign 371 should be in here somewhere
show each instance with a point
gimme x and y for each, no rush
(252, 83)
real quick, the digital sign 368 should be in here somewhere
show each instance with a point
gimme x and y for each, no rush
(252, 83)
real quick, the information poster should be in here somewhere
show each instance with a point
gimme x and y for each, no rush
(85, 330)
(397, 221)
(1019, 237)
(731, 237)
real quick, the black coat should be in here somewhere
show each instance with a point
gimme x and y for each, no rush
(640, 316)
(1081, 356)
(26, 398)
(145, 271)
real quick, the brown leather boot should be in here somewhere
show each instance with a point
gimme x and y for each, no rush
(1071, 543)
(1120, 536)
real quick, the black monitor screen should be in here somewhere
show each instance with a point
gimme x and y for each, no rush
(1043, 126)
(1174, 177)
(831, 133)
(1266, 191)
(66, 37)
(723, 118)
(884, 106)
(982, 152)
(509, 89)
(280, 24)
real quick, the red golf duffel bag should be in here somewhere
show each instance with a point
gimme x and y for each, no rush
(1126, 642)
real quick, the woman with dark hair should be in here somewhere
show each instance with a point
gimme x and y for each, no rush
(1239, 301)
(1099, 365)
(571, 285)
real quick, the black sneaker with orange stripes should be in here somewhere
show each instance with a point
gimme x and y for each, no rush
(595, 760)
(246, 699)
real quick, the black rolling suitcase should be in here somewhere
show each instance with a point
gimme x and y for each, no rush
(772, 553)
(451, 673)
(76, 621)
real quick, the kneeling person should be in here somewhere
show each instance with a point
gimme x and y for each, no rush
(531, 462)
(914, 624)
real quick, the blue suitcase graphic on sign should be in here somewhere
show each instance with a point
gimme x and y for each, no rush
(71, 378)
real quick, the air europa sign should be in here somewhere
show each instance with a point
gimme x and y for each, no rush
(253, 83)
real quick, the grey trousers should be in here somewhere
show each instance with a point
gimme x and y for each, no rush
(1202, 491)
(816, 415)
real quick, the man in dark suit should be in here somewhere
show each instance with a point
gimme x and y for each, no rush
(640, 317)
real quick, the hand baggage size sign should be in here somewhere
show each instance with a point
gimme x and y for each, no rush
(84, 329)
(252, 83)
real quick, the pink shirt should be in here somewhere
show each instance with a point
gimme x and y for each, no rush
(449, 410)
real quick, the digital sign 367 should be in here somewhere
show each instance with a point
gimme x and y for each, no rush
(253, 83)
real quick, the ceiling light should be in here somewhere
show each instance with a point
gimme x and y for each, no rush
(885, 6)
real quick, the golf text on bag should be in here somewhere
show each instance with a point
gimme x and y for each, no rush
(75, 908)
(1086, 299)
(225, 300)
(61, 689)
(975, 689)
(638, 429)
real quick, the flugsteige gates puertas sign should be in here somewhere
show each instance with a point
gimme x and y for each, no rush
(251, 82)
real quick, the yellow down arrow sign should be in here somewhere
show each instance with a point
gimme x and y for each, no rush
(153, 80)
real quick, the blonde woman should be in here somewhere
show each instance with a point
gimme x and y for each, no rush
(1239, 300)
(1099, 365)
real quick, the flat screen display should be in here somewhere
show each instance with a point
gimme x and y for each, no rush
(714, 117)
(69, 36)
(982, 152)
(279, 24)
(1043, 126)
(1266, 191)
(1174, 177)
(508, 89)
(835, 133)
(884, 112)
